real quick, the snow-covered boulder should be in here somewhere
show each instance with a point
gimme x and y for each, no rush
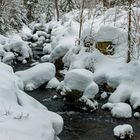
(37, 75)
(47, 49)
(119, 110)
(26, 33)
(8, 58)
(53, 83)
(80, 80)
(123, 131)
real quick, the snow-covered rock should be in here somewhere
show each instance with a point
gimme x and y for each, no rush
(104, 95)
(26, 33)
(53, 83)
(137, 115)
(119, 110)
(81, 80)
(37, 75)
(47, 49)
(123, 131)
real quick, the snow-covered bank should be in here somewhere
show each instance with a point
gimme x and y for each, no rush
(22, 117)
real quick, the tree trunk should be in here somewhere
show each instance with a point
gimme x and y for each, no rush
(81, 21)
(57, 10)
(129, 32)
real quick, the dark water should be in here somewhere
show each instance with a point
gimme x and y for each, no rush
(81, 125)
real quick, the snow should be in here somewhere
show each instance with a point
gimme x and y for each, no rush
(47, 49)
(108, 33)
(121, 131)
(104, 95)
(22, 117)
(81, 80)
(45, 58)
(37, 75)
(119, 110)
(26, 33)
(53, 83)
(137, 115)
(8, 58)
(92, 104)
(19, 47)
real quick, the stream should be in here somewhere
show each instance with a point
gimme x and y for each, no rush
(80, 125)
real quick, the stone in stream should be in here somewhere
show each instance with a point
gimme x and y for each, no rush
(123, 132)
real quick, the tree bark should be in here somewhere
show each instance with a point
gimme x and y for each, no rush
(129, 32)
(81, 21)
(57, 10)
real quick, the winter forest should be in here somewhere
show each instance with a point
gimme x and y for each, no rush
(69, 70)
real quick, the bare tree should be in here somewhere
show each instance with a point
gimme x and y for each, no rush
(129, 32)
(81, 20)
(57, 10)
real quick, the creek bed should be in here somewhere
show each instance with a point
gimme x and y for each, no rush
(79, 125)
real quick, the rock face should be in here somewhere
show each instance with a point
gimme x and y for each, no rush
(73, 95)
(105, 47)
(59, 64)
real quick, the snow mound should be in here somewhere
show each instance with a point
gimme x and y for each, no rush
(37, 75)
(81, 80)
(123, 131)
(53, 83)
(119, 110)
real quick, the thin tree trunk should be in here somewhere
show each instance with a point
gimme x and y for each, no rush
(129, 32)
(57, 10)
(81, 21)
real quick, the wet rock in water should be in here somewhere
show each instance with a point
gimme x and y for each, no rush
(105, 87)
(59, 64)
(73, 95)
(123, 132)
